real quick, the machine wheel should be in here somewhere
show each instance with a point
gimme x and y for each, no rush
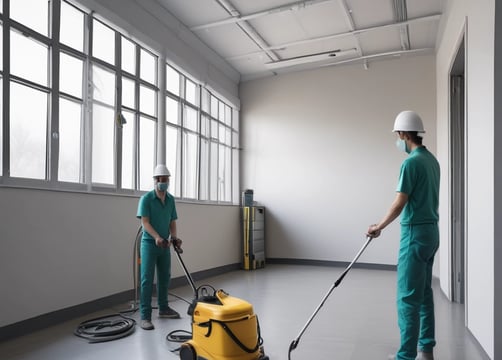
(187, 352)
(262, 354)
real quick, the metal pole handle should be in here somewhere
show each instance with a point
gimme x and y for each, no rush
(295, 342)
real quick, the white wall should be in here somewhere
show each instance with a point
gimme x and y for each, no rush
(63, 249)
(478, 15)
(319, 152)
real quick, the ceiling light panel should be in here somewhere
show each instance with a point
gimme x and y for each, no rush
(318, 47)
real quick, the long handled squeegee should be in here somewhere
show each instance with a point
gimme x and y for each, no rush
(295, 342)
(179, 251)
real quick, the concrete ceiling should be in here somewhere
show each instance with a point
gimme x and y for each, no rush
(260, 38)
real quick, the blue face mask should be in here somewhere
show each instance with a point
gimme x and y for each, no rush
(401, 145)
(162, 186)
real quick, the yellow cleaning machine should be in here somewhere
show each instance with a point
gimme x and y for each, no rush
(223, 327)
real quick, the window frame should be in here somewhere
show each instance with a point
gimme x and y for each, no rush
(193, 102)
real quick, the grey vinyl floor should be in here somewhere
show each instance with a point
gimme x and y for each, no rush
(357, 321)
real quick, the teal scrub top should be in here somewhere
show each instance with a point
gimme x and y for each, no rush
(419, 179)
(160, 215)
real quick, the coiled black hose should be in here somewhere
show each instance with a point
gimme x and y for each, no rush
(105, 328)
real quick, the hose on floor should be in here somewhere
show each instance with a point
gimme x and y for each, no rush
(105, 328)
(115, 326)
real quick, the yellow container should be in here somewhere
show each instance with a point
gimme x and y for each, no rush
(224, 329)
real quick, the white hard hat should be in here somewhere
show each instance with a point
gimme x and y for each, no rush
(408, 121)
(161, 170)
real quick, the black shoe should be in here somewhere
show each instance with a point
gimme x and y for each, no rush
(169, 313)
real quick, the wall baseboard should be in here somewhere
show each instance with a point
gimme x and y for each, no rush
(59, 316)
(288, 261)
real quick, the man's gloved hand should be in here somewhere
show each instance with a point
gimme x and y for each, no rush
(177, 244)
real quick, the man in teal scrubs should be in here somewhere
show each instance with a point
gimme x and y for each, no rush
(417, 198)
(157, 211)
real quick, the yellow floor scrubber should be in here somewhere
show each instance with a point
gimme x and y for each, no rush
(223, 327)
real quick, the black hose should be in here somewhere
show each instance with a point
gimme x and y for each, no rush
(105, 328)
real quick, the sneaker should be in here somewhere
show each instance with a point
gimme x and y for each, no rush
(169, 313)
(425, 356)
(147, 325)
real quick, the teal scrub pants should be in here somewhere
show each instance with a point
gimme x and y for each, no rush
(153, 257)
(415, 302)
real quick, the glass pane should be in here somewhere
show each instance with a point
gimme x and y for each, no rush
(32, 13)
(228, 115)
(103, 42)
(224, 167)
(235, 176)
(103, 141)
(190, 166)
(204, 170)
(28, 132)
(214, 107)
(204, 102)
(221, 133)
(191, 92)
(70, 125)
(214, 129)
(70, 75)
(228, 175)
(104, 85)
(191, 119)
(204, 126)
(173, 80)
(147, 103)
(72, 27)
(128, 56)
(235, 120)
(148, 67)
(172, 158)
(128, 151)
(172, 111)
(221, 112)
(128, 93)
(213, 174)
(147, 153)
(28, 58)
(235, 139)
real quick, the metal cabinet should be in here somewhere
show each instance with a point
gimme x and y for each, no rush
(253, 231)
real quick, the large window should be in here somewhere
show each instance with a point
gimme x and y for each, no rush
(203, 131)
(81, 110)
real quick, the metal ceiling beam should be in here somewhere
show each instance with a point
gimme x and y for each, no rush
(249, 30)
(238, 18)
(350, 22)
(382, 55)
(427, 18)
(401, 15)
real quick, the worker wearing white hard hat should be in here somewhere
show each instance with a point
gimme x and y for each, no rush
(157, 211)
(416, 201)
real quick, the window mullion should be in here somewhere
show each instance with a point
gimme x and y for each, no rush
(137, 124)
(118, 111)
(53, 113)
(6, 91)
(86, 163)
